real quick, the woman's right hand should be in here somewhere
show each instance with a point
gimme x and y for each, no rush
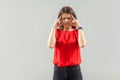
(57, 23)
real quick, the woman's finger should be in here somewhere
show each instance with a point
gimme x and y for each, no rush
(73, 17)
(59, 18)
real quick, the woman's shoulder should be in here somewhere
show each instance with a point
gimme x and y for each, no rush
(58, 30)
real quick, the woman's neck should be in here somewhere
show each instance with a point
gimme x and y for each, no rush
(69, 28)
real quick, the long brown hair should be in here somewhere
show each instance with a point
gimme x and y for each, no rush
(69, 10)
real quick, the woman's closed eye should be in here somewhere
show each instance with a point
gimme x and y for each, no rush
(67, 18)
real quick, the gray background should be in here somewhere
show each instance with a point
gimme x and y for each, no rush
(25, 26)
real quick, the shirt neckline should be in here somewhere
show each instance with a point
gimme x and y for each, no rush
(68, 30)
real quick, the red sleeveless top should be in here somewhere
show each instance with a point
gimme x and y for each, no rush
(66, 50)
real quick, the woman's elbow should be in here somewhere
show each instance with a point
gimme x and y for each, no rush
(50, 46)
(51, 43)
(82, 45)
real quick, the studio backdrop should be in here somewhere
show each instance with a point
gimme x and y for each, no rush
(25, 26)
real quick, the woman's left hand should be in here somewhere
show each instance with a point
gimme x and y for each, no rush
(75, 22)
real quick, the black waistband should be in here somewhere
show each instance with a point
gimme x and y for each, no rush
(75, 66)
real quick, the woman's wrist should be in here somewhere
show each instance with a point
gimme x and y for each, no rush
(80, 27)
(55, 27)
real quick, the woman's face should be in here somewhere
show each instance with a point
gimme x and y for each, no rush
(66, 19)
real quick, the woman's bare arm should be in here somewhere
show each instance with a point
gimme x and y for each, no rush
(81, 38)
(51, 39)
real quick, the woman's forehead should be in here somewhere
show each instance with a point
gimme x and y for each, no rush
(66, 15)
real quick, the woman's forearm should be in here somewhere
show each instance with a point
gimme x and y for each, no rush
(51, 39)
(81, 38)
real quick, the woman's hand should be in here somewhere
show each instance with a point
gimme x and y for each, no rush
(57, 23)
(75, 22)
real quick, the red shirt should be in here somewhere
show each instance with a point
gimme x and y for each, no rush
(66, 50)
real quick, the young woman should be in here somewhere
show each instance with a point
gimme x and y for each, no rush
(67, 38)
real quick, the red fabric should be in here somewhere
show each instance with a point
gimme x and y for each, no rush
(67, 50)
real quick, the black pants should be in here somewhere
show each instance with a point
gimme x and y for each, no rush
(67, 73)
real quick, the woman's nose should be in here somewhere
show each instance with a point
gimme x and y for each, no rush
(66, 20)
